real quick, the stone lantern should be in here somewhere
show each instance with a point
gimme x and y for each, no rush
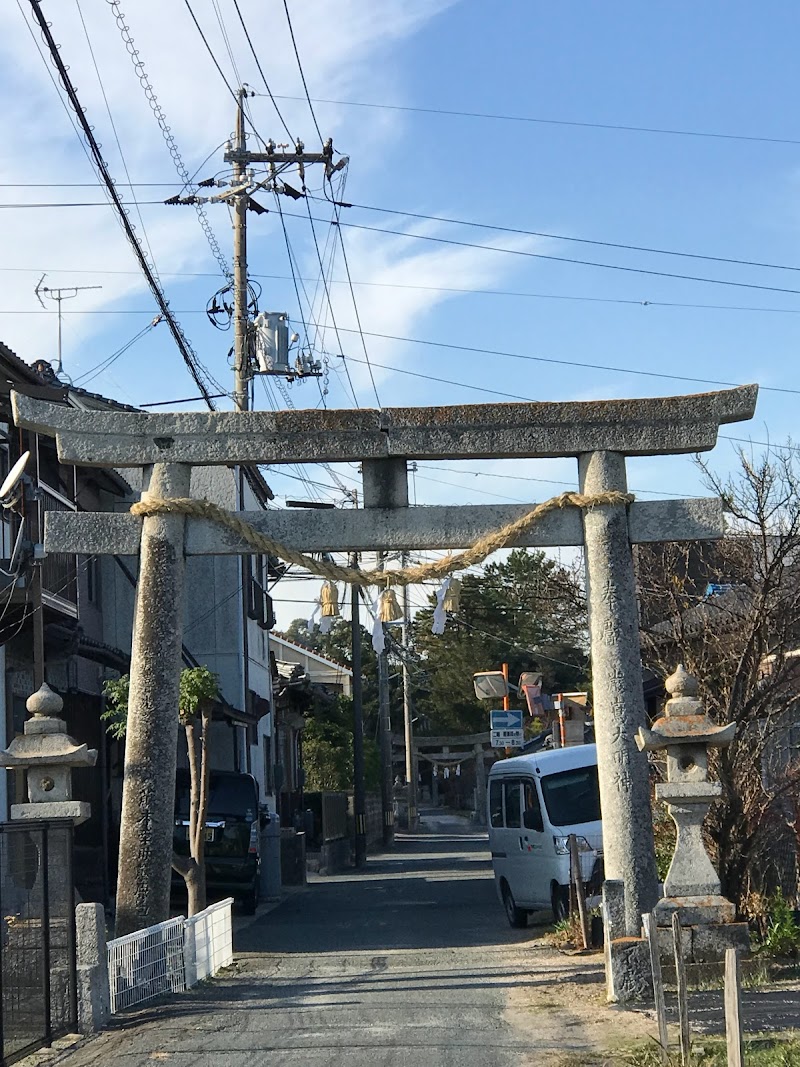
(47, 754)
(692, 886)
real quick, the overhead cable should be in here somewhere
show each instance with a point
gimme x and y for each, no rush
(566, 237)
(169, 137)
(188, 354)
(123, 160)
(300, 68)
(261, 71)
(563, 259)
(714, 135)
(545, 359)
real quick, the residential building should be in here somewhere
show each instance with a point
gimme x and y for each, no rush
(87, 613)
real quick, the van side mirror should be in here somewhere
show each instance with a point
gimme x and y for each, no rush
(533, 820)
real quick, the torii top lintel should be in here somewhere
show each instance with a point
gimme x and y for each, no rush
(644, 427)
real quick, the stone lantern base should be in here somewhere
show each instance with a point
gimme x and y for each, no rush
(709, 928)
(77, 810)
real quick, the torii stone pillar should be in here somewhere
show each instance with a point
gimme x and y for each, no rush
(600, 434)
(618, 699)
(148, 791)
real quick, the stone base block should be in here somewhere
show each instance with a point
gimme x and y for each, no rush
(94, 1009)
(709, 943)
(695, 911)
(705, 942)
(629, 976)
(77, 810)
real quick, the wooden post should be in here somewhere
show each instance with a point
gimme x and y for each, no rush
(733, 1008)
(577, 881)
(680, 976)
(651, 933)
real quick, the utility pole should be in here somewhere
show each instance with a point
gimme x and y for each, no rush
(243, 185)
(241, 356)
(385, 718)
(411, 770)
(359, 797)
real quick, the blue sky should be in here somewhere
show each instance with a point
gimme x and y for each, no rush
(717, 67)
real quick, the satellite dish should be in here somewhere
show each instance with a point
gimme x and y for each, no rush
(10, 490)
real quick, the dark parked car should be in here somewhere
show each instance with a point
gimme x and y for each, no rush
(232, 826)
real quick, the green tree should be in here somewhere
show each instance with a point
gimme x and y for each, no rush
(528, 611)
(199, 688)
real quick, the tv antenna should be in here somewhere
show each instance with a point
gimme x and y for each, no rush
(67, 292)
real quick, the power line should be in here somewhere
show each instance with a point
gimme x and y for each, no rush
(104, 364)
(300, 68)
(555, 122)
(514, 251)
(383, 285)
(330, 302)
(564, 237)
(226, 41)
(261, 71)
(61, 99)
(209, 49)
(189, 356)
(530, 478)
(169, 137)
(116, 135)
(86, 185)
(565, 259)
(538, 359)
(355, 305)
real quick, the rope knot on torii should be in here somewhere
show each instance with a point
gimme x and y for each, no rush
(440, 568)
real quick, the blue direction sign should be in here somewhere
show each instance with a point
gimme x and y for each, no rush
(506, 729)
(505, 720)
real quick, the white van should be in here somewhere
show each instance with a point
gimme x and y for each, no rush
(535, 802)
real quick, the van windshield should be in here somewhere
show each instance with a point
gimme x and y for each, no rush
(233, 796)
(572, 797)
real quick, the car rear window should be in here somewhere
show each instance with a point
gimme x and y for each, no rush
(572, 796)
(232, 796)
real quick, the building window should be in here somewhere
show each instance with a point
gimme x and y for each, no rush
(259, 602)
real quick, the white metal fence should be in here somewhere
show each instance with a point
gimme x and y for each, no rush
(145, 964)
(208, 942)
(169, 957)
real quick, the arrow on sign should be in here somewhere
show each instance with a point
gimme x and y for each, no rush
(505, 720)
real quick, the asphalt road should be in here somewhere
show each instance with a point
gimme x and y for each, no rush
(406, 964)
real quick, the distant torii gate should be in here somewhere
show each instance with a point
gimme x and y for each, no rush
(600, 434)
(458, 748)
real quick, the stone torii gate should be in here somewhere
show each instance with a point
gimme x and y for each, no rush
(600, 434)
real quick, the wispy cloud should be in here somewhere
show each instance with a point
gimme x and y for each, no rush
(343, 49)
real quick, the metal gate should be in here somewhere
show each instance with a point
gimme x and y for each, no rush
(37, 936)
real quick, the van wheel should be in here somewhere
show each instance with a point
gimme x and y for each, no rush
(516, 916)
(559, 901)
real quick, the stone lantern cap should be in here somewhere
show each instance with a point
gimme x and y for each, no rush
(48, 754)
(45, 740)
(684, 721)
